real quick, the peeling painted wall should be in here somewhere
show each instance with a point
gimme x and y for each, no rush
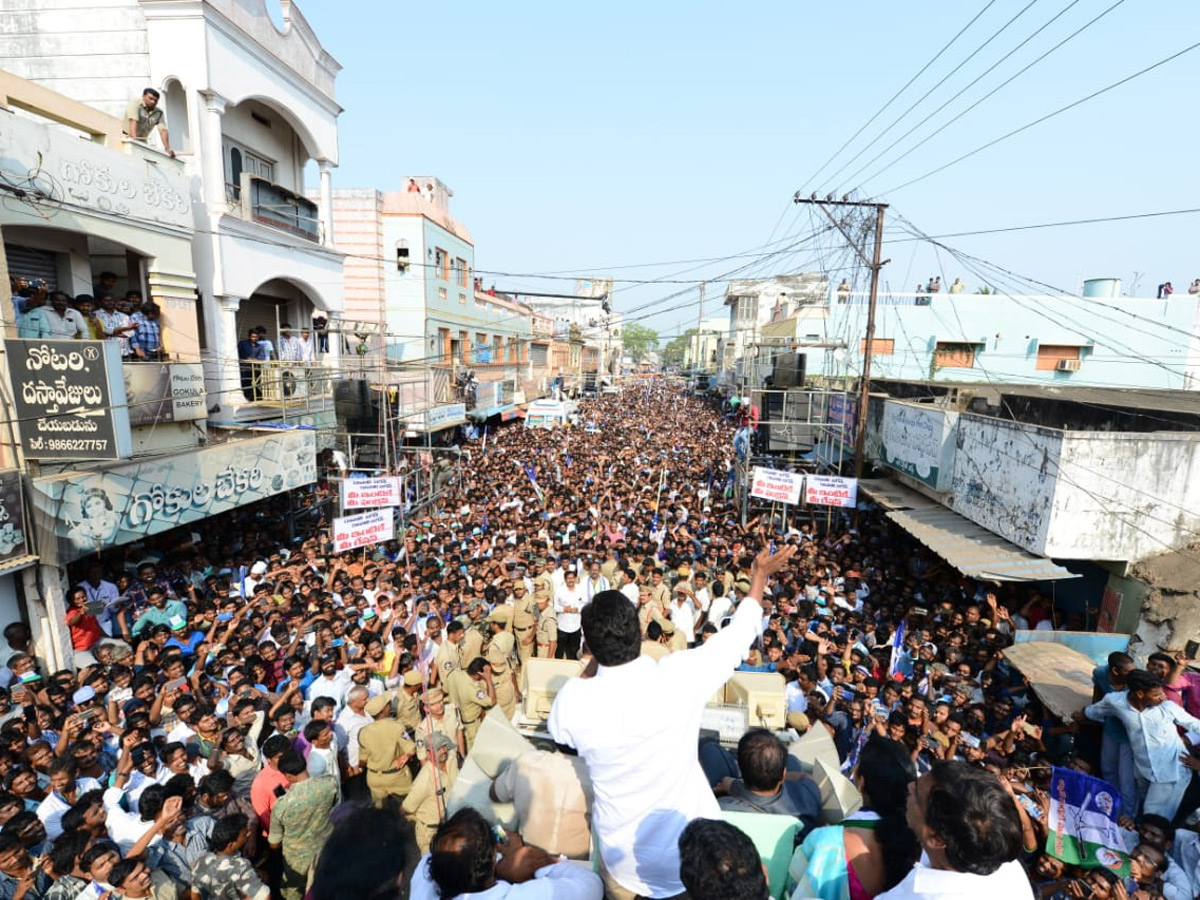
(1004, 478)
(1125, 496)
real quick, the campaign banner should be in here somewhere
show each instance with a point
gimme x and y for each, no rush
(776, 485)
(350, 532)
(1083, 829)
(370, 493)
(830, 490)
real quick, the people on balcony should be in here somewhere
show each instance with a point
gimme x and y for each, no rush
(86, 305)
(146, 341)
(116, 324)
(293, 348)
(250, 352)
(143, 117)
(56, 321)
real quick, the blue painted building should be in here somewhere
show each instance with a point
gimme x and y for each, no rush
(1000, 338)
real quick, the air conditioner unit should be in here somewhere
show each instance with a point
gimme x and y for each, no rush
(1069, 365)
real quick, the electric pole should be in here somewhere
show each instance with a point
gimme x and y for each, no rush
(699, 332)
(875, 264)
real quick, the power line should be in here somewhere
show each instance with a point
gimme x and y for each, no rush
(991, 93)
(1047, 117)
(958, 118)
(943, 80)
(896, 95)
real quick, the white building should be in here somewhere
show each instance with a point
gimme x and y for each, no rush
(755, 303)
(249, 108)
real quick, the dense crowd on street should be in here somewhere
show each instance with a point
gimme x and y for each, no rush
(253, 715)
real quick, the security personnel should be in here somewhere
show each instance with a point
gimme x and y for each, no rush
(472, 690)
(500, 654)
(384, 749)
(425, 804)
(545, 577)
(660, 591)
(524, 620)
(472, 642)
(447, 659)
(408, 707)
(648, 609)
(547, 627)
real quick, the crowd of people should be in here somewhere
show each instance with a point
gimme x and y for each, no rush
(255, 715)
(134, 324)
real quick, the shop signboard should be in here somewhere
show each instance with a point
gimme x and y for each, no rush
(351, 532)
(370, 493)
(776, 485)
(81, 514)
(13, 542)
(164, 392)
(830, 490)
(70, 399)
(445, 416)
(918, 440)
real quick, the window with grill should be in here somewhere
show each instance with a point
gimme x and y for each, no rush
(951, 355)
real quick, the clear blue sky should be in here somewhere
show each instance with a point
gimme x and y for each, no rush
(583, 137)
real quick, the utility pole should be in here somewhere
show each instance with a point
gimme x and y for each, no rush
(875, 264)
(699, 331)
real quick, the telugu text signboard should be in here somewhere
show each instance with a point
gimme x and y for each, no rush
(351, 532)
(830, 490)
(918, 440)
(164, 392)
(370, 493)
(776, 486)
(70, 399)
(81, 514)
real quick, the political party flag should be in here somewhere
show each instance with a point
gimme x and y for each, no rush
(897, 648)
(1083, 828)
(531, 474)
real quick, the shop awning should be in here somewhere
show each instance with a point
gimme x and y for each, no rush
(974, 550)
(16, 563)
(892, 495)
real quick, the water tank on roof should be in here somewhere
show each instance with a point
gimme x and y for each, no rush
(1102, 287)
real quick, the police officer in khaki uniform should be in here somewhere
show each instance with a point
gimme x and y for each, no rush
(547, 626)
(472, 642)
(472, 690)
(425, 804)
(447, 659)
(648, 609)
(660, 591)
(500, 654)
(384, 749)
(408, 707)
(524, 620)
(544, 578)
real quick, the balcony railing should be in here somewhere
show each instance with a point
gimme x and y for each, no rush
(258, 200)
(284, 381)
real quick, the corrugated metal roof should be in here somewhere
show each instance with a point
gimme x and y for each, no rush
(893, 495)
(974, 550)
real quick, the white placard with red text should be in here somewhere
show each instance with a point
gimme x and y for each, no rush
(370, 493)
(366, 528)
(776, 485)
(830, 490)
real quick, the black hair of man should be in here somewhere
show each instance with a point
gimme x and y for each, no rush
(122, 870)
(1140, 681)
(454, 627)
(476, 666)
(375, 839)
(215, 783)
(73, 818)
(292, 763)
(65, 851)
(611, 629)
(153, 92)
(653, 631)
(314, 728)
(462, 853)
(762, 759)
(974, 816)
(1119, 660)
(276, 745)
(718, 861)
(226, 831)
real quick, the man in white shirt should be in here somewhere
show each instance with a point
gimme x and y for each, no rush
(683, 613)
(350, 722)
(100, 591)
(56, 321)
(568, 601)
(1150, 719)
(636, 723)
(629, 586)
(970, 836)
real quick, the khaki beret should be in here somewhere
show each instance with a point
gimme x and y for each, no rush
(412, 678)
